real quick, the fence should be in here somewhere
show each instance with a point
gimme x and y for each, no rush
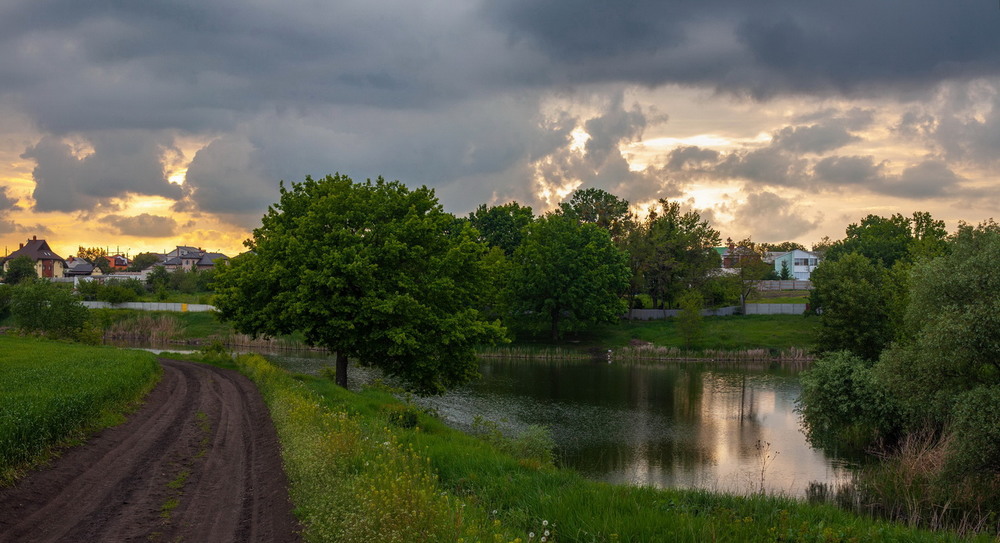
(152, 306)
(752, 309)
(794, 284)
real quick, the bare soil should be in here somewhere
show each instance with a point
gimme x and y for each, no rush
(199, 461)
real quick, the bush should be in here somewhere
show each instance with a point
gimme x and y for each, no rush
(6, 292)
(976, 447)
(43, 307)
(842, 401)
(116, 294)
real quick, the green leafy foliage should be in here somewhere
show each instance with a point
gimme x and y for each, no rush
(952, 329)
(689, 321)
(20, 270)
(566, 275)
(142, 261)
(599, 207)
(42, 307)
(890, 240)
(842, 402)
(502, 226)
(976, 428)
(851, 297)
(371, 270)
(670, 252)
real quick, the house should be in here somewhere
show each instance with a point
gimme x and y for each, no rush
(191, 258)
(799, 263)
(79, 267)
(118, 262)
(47, 263)
(734, 256)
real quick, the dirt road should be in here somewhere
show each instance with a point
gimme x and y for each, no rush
(199, 462)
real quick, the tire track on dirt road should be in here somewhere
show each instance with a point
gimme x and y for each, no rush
(199, 461)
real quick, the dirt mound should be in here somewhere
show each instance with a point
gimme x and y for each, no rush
(198, 462)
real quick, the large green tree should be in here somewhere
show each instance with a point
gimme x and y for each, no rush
(371, 270)
(671, 252)
(502, 226)
(852, 298)
(567, 274)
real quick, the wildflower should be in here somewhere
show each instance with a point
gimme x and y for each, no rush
(545, 523)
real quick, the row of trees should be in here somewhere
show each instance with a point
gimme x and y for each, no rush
(380, 273)
(910, 323)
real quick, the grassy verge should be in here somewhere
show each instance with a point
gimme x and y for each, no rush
(53, 394)
(364, 467)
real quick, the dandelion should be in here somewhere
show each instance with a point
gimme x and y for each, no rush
(545, 523)
(531, 535)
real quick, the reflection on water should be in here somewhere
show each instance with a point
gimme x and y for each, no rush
(685, 425)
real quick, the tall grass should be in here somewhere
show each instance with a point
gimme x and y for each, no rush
(351, 479)
(357, 476)
(52, 394)
(154, 328)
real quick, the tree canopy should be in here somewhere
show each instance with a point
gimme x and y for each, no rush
(19, 270)
(502, 226)
(566, 274)
(370, 270)
(851, 297)
(893, 239)
(670, 252)
(600, 207)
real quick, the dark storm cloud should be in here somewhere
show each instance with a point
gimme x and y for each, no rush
(776, 46)
(122, 163)
(7, 203)
(446, 93)
(144, 225)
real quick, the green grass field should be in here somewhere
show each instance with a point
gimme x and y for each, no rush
(55, 393)
(359, 471)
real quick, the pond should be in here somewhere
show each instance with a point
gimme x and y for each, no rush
(680, 425)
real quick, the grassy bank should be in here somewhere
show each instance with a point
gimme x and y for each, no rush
(364, 467)
(743, 336)
(53, 394)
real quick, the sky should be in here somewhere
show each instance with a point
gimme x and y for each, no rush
(139, 126)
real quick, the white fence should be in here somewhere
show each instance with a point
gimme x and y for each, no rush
(752, 309)
(776, 309)
(152, 306)
(794, 284)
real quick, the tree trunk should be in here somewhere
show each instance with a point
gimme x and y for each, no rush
(341, 369)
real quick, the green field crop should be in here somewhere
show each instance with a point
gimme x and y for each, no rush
(53, 393)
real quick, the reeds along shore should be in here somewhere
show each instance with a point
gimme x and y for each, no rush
(645, 354)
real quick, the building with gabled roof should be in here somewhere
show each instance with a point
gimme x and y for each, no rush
(47, 263)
